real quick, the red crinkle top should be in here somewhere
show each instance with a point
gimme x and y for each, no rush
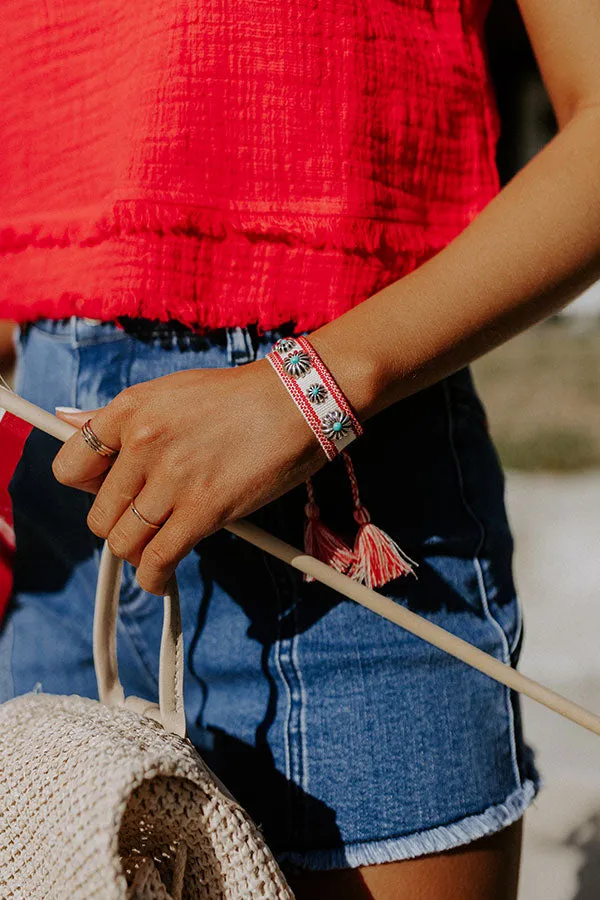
(259, 161)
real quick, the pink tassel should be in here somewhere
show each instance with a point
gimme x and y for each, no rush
(321, 542)
(377, 557)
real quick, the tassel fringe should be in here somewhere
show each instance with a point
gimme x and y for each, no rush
(321, 542)
(377, 557)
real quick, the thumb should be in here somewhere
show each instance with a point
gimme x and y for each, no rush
(73, 416)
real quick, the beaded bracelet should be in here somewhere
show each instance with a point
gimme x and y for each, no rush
(316, 394)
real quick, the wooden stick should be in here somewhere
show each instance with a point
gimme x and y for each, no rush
(383, 606)
(36, 416)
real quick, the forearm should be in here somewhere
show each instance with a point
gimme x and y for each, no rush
(533, 248)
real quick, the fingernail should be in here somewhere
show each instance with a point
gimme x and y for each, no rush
(67, 409)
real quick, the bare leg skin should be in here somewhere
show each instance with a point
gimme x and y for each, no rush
(486, 869)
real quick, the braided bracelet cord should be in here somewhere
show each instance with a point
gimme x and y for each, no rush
(316, 394)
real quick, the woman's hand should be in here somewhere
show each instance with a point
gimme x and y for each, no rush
(197, 449)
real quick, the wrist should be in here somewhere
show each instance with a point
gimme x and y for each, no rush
(358, 370)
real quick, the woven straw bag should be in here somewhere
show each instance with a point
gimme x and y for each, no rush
(110, 799)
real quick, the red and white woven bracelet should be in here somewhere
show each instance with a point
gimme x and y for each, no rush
(375, 559)
(316, 394)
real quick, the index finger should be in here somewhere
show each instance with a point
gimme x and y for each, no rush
(77, 463)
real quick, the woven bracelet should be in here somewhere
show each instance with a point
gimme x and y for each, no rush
(375, 559)
(316, 394)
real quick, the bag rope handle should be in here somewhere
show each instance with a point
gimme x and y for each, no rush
(169, 711)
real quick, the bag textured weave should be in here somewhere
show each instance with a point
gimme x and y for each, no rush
(105, 801)
(94, 802)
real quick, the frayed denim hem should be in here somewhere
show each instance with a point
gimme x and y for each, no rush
(435, 840)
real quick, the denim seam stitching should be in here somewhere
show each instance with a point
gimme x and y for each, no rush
(490, 617)
(295, 750)
(278, 665)
(301, 740)
(288, 719)
(294, 708)
(519, 629)
(297, 747)
(301, 716)
(480, 579)
(295, 717)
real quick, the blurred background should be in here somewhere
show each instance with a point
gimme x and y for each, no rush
(542, 392)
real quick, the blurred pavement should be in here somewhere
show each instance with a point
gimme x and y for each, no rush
(556, 523)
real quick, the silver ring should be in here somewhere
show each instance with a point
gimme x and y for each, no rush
(94, 442)
(137, 513)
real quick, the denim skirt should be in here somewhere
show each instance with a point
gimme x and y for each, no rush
(349, 740)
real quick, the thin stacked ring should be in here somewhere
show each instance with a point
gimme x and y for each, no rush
(142, 518)
(94, 442)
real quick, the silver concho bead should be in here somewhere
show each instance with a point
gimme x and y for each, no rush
(297, 364)
(336, 425)
(317, 393)
(284, 345)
